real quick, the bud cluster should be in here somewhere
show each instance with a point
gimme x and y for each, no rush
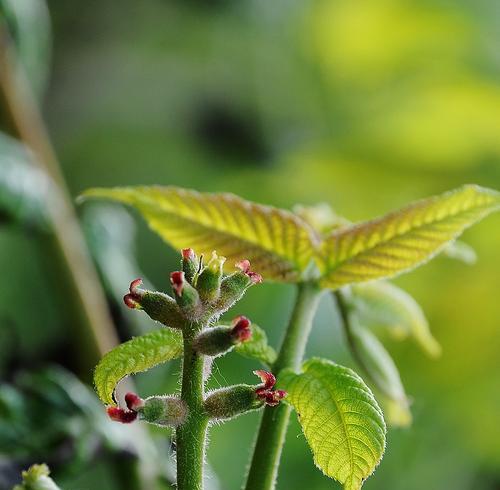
(200, 294)
(203, 292)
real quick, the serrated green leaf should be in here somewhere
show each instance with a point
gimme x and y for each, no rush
(462, 251)
(381, 304)
(277, 243)
(341, 420)
(257, 347)
(136, 355)
(381, 370)
(401, 240)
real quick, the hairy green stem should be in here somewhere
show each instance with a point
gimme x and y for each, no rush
(267, 452)
(190, 436)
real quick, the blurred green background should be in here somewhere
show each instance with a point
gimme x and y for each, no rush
(363, 105)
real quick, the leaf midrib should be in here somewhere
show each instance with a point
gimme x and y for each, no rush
(342, 419)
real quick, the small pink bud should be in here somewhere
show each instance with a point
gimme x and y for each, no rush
(188, 254)
(265, 391)
(244, 266)
(134, 402)
(120, 415)
(241, 329)
(132, 299)
(177, 280)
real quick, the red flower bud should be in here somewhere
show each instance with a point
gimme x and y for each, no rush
(134, 402)
(133, 298)
(268, 379)
(244, 266)
(273, 398)
(265, 391)
(177, 280)
(121, 415)
(189, 264)
(188, 254)
(241, 329)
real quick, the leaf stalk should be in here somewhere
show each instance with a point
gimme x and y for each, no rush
(271, 437)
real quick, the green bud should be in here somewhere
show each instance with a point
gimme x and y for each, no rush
(162, 308)
(189, 264)
(164, 411)
(219, 340)
(214, 341)
(158, 306)
(186, 295)
(209, 281)
(233, 287)
(232, 401)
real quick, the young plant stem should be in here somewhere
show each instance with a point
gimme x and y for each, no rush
(267, 452)
(347, 326)
(190, 436)
(343, 309)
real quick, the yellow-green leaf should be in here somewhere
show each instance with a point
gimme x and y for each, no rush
(278, 243)
(341, 420)
(401, 240)
(257, 347)
(381, 304)
(136, 355)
